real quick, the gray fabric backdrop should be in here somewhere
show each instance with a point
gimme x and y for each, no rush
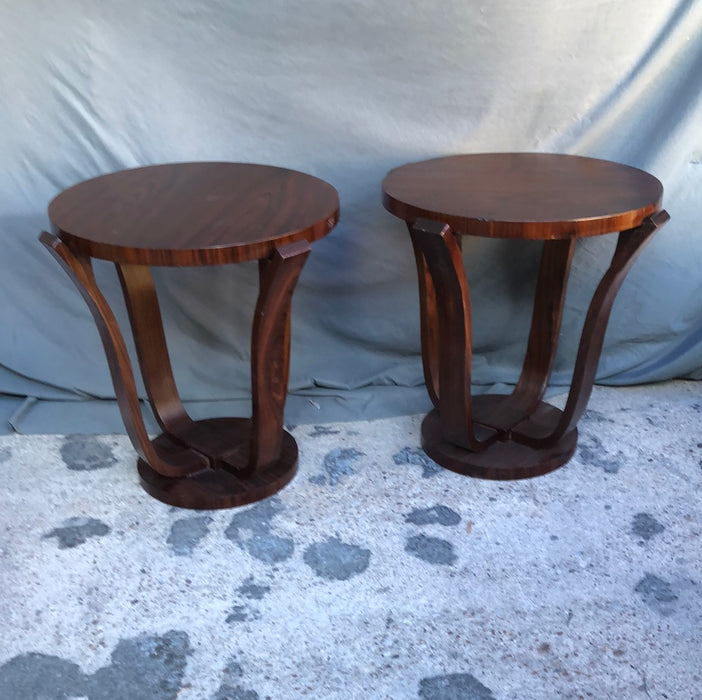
(345, 91)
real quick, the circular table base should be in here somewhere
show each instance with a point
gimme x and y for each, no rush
(219, 488)
(504, 459)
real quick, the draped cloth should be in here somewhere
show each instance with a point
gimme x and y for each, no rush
(344, 91)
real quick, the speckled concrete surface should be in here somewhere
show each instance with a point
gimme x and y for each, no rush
(374, 574)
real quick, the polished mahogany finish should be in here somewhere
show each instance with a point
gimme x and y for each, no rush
(184, 214)
(523, 195)
(549, 197)
(196, 214)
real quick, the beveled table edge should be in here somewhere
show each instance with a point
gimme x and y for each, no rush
(195, 257)
(524, 229)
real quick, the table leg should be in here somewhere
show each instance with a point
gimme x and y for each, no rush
(448, 337)
(165, 461)
(549, 301)
(429, 322)
(250, 458)
(629, 244)
(152, 352)
(531, 437)
(213, 463)
(270, 350)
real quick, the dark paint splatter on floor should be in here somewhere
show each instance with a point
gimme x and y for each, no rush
(186, 534)
(416, 457)
(456, 686)
(142, 668)
(646, 526)
(86, 453)
(230, 688)
(76, 531)
(35, 676)
(657, 594)
(335, 560)
(228, 692)
(241, 613)
(270, 549)
(147, 667)
(251, 530)
(593, 452)
(252, 590)
(256, 519)
(232, 672)
(320, 430)
(431, 549)
(441, 515)
(337, 464)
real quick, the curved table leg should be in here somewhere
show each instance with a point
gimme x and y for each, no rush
(545, 324)
(162, 458)
(629, 244)
(270, 350)
(549, 300)
(532, 438)
(449, 341)
(429, 323)
(214, 463)
(250, 458)
(150, 341)
(508, 459)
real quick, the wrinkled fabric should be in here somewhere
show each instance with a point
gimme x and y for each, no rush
(345, 91)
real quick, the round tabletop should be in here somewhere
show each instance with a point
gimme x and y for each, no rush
(523, 195)
(184, 214)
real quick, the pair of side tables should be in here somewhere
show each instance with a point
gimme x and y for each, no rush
(191, 214)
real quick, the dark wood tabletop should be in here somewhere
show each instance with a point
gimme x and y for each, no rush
(523, 195)
(185, 214)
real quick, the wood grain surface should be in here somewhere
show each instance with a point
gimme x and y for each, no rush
(185, 214)
(523, 195)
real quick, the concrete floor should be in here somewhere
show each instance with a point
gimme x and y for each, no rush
(374, 574)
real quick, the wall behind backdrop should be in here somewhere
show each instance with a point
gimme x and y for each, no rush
(344, 91)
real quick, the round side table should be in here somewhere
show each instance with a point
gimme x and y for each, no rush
(189, 214)
(549, 197)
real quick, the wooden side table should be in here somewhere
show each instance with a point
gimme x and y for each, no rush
(182, 215)
(554, 198)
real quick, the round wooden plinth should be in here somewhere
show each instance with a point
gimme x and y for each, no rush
(219, 488)
(504, 459)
